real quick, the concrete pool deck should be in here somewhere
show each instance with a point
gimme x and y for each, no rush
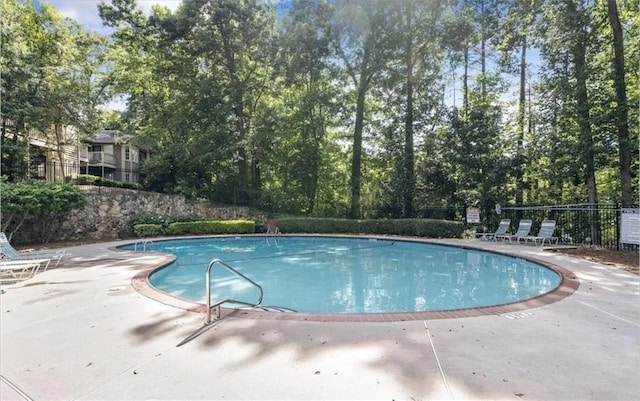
(81, 332)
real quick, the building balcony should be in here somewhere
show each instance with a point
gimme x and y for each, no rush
(83, 154)
(102, 159)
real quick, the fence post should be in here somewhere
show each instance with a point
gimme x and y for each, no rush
(464, 215)
(617, 211)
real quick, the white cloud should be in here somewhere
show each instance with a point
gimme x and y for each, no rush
(86, 11)
(83, 11)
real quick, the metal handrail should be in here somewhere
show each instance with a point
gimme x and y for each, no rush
(208, 288)
(144, 245)
(274, 231)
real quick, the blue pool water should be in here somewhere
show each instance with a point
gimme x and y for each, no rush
(349, 275)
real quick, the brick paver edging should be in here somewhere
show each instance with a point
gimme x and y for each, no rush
(569, 283)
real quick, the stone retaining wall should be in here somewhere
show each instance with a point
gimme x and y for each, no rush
(109, 209)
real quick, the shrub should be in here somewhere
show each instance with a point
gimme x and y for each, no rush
(148, 230)
(160, 219)
(88, 179)
(410, 227)
(39, 204)
(317, 225)
(205, 227)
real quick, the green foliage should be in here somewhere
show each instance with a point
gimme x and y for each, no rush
(148, 230)
(317, 225)
(209, 227)
(38, 203)
(195, 80)
(159, 219)
(408, 227)
(87, 179)
(331, 108)
(54, 75)
(147, 225)
(106, 182)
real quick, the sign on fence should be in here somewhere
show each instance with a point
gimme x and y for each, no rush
(473, 215)
(630, 226)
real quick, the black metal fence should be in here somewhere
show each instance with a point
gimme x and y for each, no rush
(50, 171)
(579, 224)
(66, 172)
(441, 212)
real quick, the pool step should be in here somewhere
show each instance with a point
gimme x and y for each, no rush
(275, 309)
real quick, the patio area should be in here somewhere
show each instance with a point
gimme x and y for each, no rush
(81, 332)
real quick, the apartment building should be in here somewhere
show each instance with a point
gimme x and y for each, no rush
(54, 156)
(61, 155)
(110, 156)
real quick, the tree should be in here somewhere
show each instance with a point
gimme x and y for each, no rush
(408, 99)
(515, 36)
(26, 60)
(310, 97)
(77, 88)
(359, 37)
(189, 71)
(621, 109)
(39, 204)
(51, 77)
(419, 30)
(238, 111)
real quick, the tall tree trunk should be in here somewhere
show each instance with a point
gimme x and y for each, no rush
(465, 78)
(312, 185)
(243, 170)
(238, 108)
(356, 161)
(622, 111)
(579, 50)
(521, 113)
(256, 179)
(316, 128)
(483, 56)
(408, 189)
(465, 82)
(60, 138)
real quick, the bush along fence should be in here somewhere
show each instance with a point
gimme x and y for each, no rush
(577, 224)
(149, 226)
(428, 228)
(200, 227)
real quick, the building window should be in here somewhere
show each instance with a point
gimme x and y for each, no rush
(127, 177)
(96, 148)
(127, 154)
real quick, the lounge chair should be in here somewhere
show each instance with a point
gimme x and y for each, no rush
(524, 228)
(10, 253)
(502, 230)
(545, 234)
(16, 270)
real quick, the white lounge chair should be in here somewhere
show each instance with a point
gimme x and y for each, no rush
(524, 228)
(502, 230)
(10, 253)
(16, 270)
(547, 227)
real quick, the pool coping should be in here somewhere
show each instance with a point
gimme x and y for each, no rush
(569, 283)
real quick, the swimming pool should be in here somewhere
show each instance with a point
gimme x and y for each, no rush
(350, 275)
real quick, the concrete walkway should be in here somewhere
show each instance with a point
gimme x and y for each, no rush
(80, 332)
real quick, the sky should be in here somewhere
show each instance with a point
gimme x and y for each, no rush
(86, 11)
